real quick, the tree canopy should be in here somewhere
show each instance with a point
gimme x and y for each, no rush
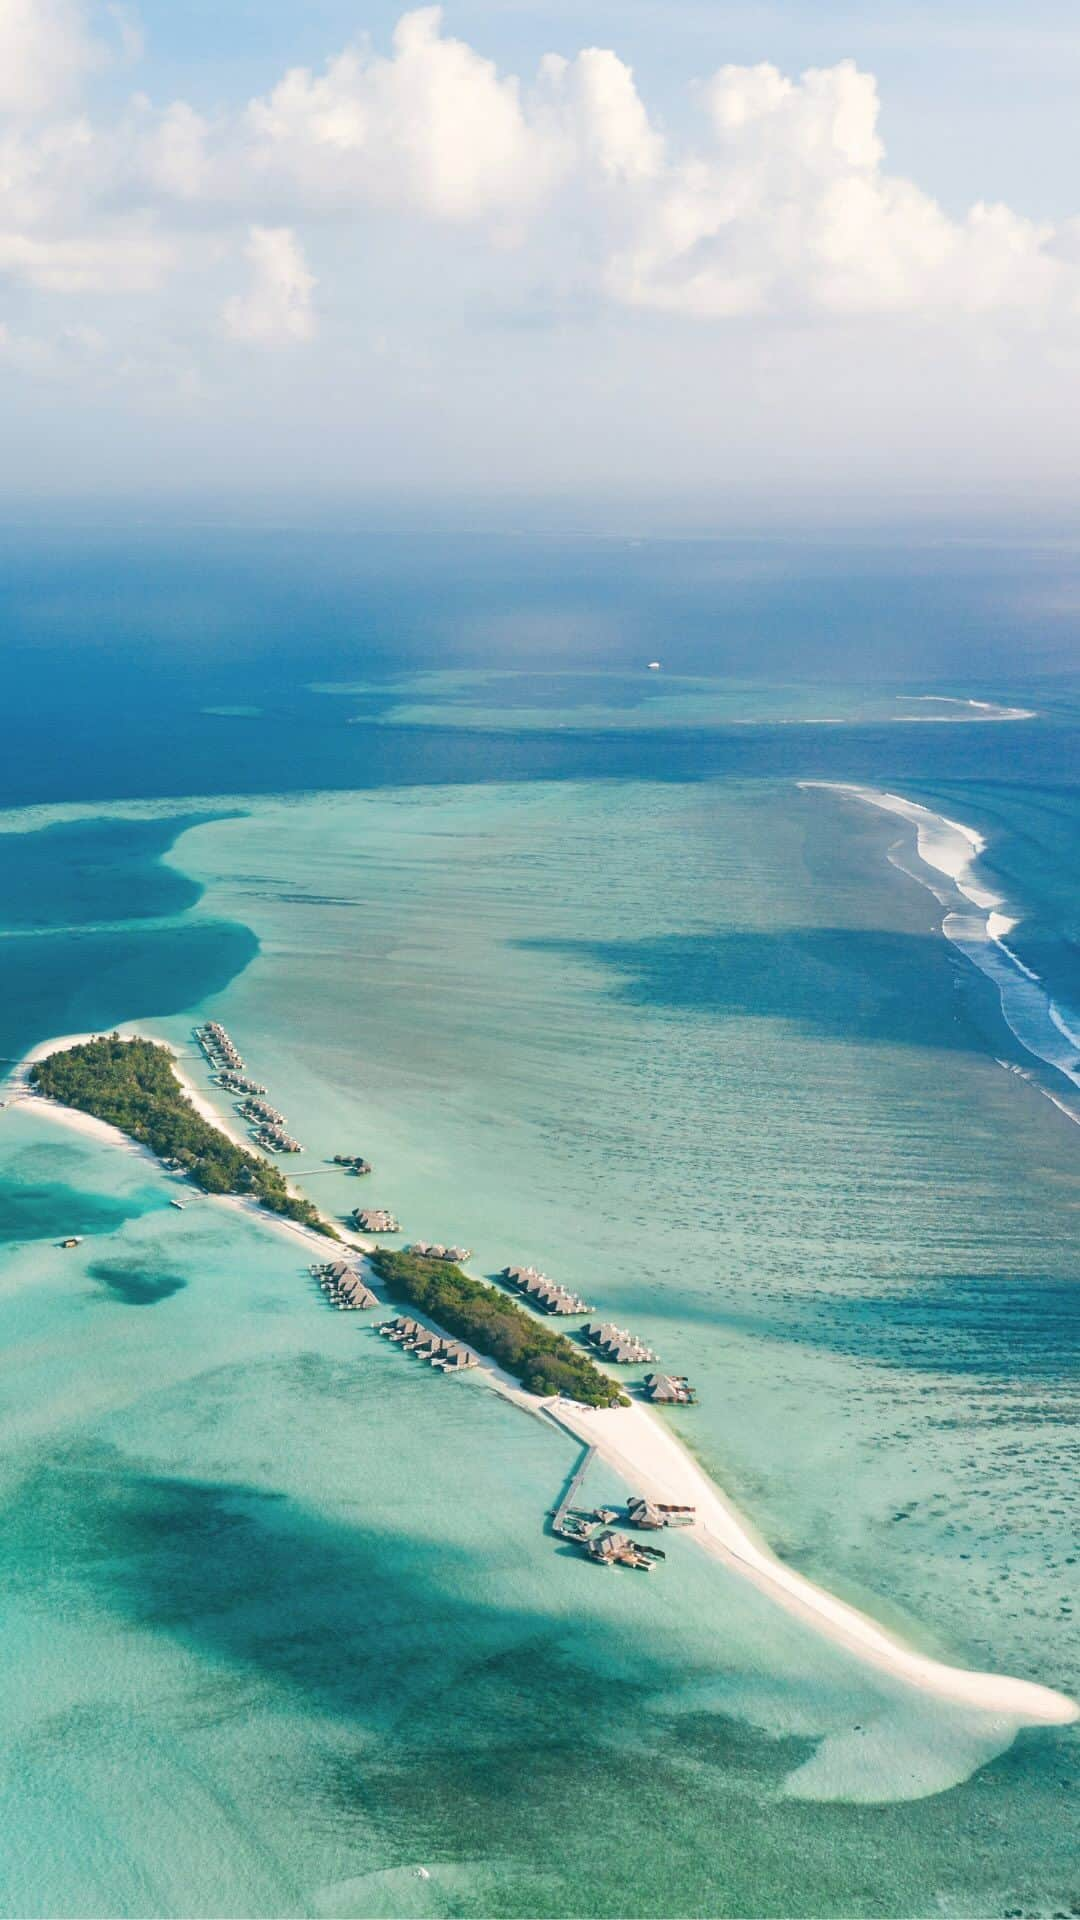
(544, 1361)
(132, 1085)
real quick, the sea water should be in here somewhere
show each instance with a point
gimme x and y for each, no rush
(593, 981)
(285, 1625)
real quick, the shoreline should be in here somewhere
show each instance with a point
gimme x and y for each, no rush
(17, 1084)
(651, 1459)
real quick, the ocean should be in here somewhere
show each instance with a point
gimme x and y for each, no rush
(742, 996)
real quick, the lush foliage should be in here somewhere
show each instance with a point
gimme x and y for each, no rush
(131, 1084)
(544, 1361)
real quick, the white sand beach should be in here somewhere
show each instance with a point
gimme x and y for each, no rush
(648, 1456)
(17, 1087)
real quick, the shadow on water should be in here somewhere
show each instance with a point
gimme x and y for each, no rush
(561, 1773)
(853, 984)
(133, 1285)
(33, 1212)
(1003, 1326)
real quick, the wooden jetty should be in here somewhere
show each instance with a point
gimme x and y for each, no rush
(559, 1517)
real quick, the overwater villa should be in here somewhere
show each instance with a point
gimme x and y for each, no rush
(218, 1047)
(345, 1285)
(374, 1220)
(434, 1250)
(238, 1082)
(276, 1140)
(543, 1292)
(617, 1345)
(670, 1389)
(612, 1549)
(352, 1162)
(450, 1356)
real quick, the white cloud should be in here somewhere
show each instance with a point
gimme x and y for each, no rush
(790, 211)
(433, 128)
(114, 257)
(276, 309)
(45, 49)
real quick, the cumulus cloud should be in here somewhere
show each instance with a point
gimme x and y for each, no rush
(780, 203)
(276, 308)
(790, 210)
(45, 48)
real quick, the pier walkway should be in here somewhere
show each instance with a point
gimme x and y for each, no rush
(558, 1522)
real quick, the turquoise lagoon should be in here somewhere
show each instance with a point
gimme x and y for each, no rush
(283, 1623)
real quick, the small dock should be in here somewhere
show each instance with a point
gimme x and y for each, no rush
(566, 1504)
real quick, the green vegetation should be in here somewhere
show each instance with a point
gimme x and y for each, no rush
(545, 1362)
(131, 1084)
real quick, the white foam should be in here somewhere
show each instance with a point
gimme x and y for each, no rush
(973, 709)
(975, 923)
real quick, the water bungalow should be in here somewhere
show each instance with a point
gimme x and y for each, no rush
(374, 1220)
(238, 1082)
(352, 1162)
(450, 1356)
(542, 1292)
(271, 1141)
(613, 1549)
(344, 1285)
(623, 1348)
(434, 1250)
(218, 1047)
(670, 1389)
(401, 1329)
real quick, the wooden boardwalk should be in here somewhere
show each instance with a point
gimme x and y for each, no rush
(559, 1517)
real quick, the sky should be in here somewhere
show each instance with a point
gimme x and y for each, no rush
(664, 260)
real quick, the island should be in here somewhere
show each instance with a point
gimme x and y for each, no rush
(545, 1362)
(132, 1085)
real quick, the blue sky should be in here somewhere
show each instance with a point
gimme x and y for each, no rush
(774, 260)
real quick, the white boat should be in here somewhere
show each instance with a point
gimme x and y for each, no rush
(178, 1204)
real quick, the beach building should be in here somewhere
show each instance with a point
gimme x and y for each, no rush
(651, 1515)
(434, 1250)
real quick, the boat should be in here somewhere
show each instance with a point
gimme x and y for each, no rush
(178, 1204)
(73, 1240)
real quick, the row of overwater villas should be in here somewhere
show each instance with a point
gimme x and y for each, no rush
(544, 1292)
(451, 1355)
(434, 1250)
(617, 1345)
(344, 1285)
(218, 1047)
